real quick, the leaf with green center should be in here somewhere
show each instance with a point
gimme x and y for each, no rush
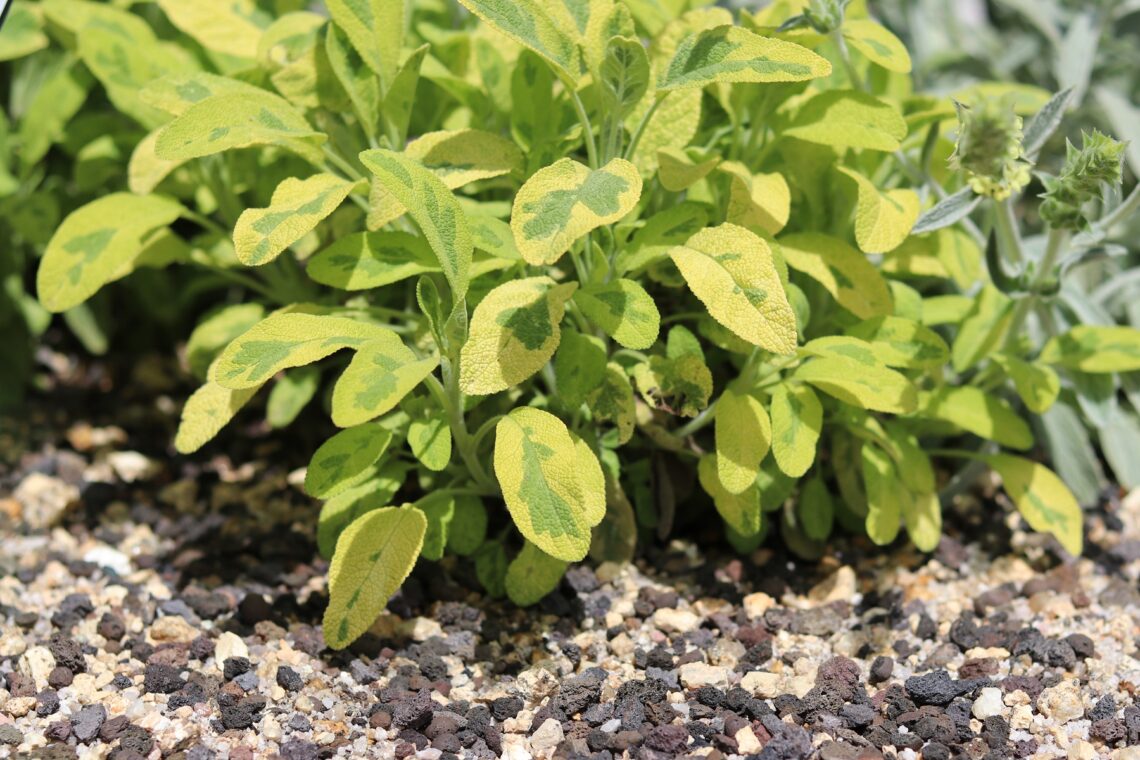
(877, 44)
(373, 557)
(579, 367)
(439, 511)
(623, 310)
(207, 411)
(1094, 348)
(433, 207)
(288, 339)
(613, 401)
(532, 575)
(359, 82)
(680, 385)
(371, 493)
(340, 460)
(867, 387)
(223, 26)
(882, 220)
(367, 260)
(1041, 498)
(1036, 384)
(529, 23)
(468, 526)
(843, 272)
(457, 157)
(983, 330)
(760, 202)
(733, 273)
(551, 481)
(845, 347)
(980, 413)
(290, 395)
(562, 202)
(429, 437)
(741, 511)
(678, 171)
(815, 509)
(176, 93)
(662, 231)
(297, 207)
(216, 331)
(382, 372)
(885, 496)
(492, 235)
(232, 120)
(624, 76)
(734, 54)
(797, 419)
(849, 119)
(98, 243)
(375, 28)
(899, 342)
(743, 435)
(514, 332)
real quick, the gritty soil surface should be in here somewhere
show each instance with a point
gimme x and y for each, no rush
(154, 606)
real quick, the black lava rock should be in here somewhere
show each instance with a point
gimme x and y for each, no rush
(234, 667)
(242, 714)
(85, 724)
(936, 688)
(162, 679)
(415, 711)
(289, 679)
(67, 653)
(504, 708)
(47, 703)
(578, 693)
(881, 669)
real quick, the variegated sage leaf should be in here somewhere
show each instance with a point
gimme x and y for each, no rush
(734, 54)
(899, 342)
(877, 44)
(741, 511)
(529, 23)
(624, 75)
(797, 419)
(342, 459)
(758, 201)
(207, 411)
(370, 493)
(514, 332)
(882, 219)
(981, 413)
(562, 202)
(1095, 349)
(862, 385)
(843, 272)
(579, 367)
(176, 93)
(230, 27)
(382, 372)
(1042, 498)
(368, 260)
(849, 119)
(613, 402)
(375, 28)
(551, 481)
(297, 207)
(885, 495)
(429, 435)
(743, 435)
(623, 310)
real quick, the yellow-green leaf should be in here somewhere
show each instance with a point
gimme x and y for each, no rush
(733, 272)
(176, 93)
(623, 310)
(375, 28)
(532, 575)
(981, 413)
(877, 44)
(23, 32)
(1041, 498)
(288, 339)
(757, 201)
(371, 493)
(382, 372)
(433, 207)
(224, 26)
(216, 330)
(882, 220)
(1036, 383)
(207, 411)
(373, 557)
(612, 401)
(579, 367)
(468, 526)
(849, 119)
(922, 516)
(529, 23)
(734, 54)
(98, 243)
(514, 332)
(340, 460)
(815, 509)
(843, 272)
(983, 330)
(869, 387)
(677, 171)
(551, 481)
(297, 207)
(680, 385)
(797, 419)
(899, 342)
(947, 253)
(429, 437)
(740, 511)
(885, 495)
(368, 260)
(232, 120)
(562, 202)
(290, 395)
(1095, 348)
(743, 434)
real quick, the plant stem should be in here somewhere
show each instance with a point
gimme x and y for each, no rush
(451, 399)
(848, 66)
(641, 126)
(1006, 227)
(699, 422)
(1057, 242)
(584, 118)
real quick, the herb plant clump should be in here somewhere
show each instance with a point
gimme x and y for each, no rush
(575, 259)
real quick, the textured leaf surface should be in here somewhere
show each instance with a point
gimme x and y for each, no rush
(743, 434)
(372, 493)
(899, 342)
(514, 332)
(96, 243)
(215, 331)
(845, 273)
(562, 202)
(207, 411)
(373, 557)
(1041, 498)
(433, 207)
(342, 458)
(877, 44)
(760, 201)
(551, 481)
(1037, 384)
(882, 220)
(678, 172)
(732, 271)
(797, 419)
(430, 438)
(297, 207)
(224, 26)
(288, 339)
(613, 402)
(532, 575)
(734, 54)
(980, 413)
(849, 119)
(372, 260)
(375, 28)
(381, 373)
(176, 93)
(239, 120)
(624, 75)
(1095, 348)
(579, 367)
(623, 310)
(740, 511)
(869, 387)
(529, 23)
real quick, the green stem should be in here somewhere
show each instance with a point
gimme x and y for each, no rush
(1005, 224)
(849, 67)
(641, 126)
(1057, 242)
(451, 399)
(699, 422)
(584, 118)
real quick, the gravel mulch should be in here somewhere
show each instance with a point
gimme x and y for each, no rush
(160, 608)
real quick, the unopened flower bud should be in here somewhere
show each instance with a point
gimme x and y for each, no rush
(1099, 160)
(826, 15)
(990, 148)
